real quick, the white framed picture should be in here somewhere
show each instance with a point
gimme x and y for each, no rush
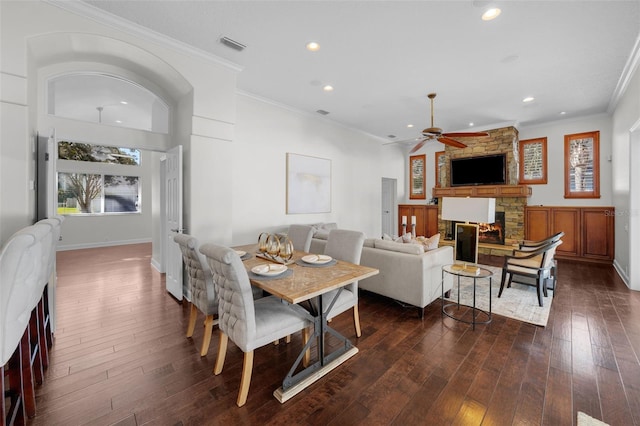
(308, 184)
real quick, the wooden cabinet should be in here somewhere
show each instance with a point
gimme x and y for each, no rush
(588, 231)
(426, 218)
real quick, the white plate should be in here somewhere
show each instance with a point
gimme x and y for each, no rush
(241, 253)
(317, 258)
(269, 269)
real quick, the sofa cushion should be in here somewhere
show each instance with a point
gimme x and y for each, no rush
(369, 242)
(399, 247)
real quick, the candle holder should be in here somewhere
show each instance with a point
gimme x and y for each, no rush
(413, 230)
(404, 229)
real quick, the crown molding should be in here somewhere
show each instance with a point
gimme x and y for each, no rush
(105, 18)
(627, 72)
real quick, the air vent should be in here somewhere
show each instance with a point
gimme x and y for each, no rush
(323, 112)
(391, 136)
(232, 44)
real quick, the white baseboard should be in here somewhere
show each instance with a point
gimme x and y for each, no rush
(62, 247)
(621, 273)
(156, 265)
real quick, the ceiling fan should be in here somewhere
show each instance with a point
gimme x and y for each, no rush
(436, 133)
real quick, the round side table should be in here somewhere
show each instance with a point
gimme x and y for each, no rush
(473, 272)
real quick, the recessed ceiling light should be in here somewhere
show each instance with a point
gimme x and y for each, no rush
(528, 99)
(328, 88)
(312, 46)
(471, 124)
(119, 121)
(491, 13)
(124, 102)
(563, 112)
(409, 125)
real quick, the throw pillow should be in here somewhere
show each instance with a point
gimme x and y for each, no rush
(406, 238)
(401, 248)
(430, 243)
(387, 237)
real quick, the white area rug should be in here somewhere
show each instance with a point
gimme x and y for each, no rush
(519, 301)
(586, 420)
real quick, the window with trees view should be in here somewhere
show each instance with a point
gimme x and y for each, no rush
(91, 179)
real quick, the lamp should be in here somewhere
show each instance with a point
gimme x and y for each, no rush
(477, 210)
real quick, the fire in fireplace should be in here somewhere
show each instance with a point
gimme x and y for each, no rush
(492, 233)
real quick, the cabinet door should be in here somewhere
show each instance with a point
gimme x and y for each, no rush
(419, 213)
(537, 223)
(567, 220)
(431, 220)
(597, 233)
(404, 210)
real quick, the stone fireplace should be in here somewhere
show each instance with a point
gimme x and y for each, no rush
(510, 202)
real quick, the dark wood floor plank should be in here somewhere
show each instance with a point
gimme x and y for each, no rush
(121, 357)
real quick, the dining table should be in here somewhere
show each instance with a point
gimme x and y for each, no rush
(307, 282)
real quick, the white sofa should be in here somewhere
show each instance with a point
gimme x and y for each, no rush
(407, 273)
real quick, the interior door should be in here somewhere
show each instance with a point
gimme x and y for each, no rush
(173, 217)
(388, 206)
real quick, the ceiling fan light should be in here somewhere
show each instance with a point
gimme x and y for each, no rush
(491, 13)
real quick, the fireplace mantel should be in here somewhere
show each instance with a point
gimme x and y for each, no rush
(483, 191)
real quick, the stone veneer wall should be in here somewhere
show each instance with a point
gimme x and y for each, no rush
(503, 140)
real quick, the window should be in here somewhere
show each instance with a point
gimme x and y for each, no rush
(108, 100)
(582, 165)
(533, 161)
(96, 179)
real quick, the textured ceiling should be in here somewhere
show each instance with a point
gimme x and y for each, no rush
(383, 57)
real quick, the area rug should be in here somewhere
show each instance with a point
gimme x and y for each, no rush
(518, 302)
(586, 420)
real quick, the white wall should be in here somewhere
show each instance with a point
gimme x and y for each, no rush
(626, 182)
(265, 133)
(552, 194)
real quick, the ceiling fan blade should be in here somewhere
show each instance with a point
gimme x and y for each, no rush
(418, 145)
(451, 142)
(466, 134)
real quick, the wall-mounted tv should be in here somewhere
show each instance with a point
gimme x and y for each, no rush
(484, 170)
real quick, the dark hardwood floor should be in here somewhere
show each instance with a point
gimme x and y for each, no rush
(121, 357)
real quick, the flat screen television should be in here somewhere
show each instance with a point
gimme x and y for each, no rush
(484, 170)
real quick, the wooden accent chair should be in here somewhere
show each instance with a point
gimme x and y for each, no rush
(344, 245)
(201, 288)
(533, 267)
(529, 245)
(300, 236)
(249, 323)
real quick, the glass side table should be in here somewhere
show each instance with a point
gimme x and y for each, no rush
(475, 273)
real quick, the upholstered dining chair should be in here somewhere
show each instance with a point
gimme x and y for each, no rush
(249, 323)
(531, 267)
(48, 296)
(19, 272)
(300, 236)
(201, 288)
(344, 245)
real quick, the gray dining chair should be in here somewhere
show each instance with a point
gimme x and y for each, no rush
(300, 236)
(201, 289)
(344, 245)
(249, 323)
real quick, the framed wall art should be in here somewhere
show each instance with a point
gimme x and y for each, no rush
(417, 190)
(533, 161)
(308, 184)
